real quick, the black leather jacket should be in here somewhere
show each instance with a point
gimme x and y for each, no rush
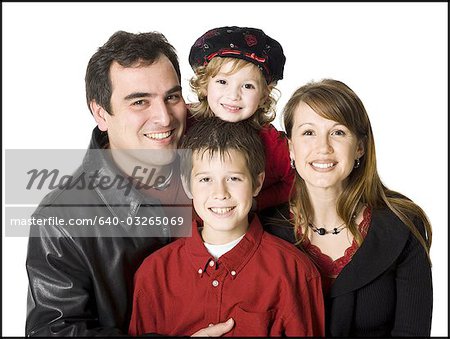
(81, 285)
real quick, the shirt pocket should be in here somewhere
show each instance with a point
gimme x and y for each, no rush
(250, 323)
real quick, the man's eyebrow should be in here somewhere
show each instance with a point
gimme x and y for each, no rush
(137, 95)
(174, 89)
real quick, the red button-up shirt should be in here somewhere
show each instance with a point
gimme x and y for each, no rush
(264, 283)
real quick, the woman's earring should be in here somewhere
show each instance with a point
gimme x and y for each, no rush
(357, 163)
(292, 163)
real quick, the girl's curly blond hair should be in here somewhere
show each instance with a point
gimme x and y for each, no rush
(199, 84)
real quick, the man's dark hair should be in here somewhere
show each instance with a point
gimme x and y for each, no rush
(211, 136)
(127, 49)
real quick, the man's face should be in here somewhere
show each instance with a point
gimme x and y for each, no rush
(148, 109)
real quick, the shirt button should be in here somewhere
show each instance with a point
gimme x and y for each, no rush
(200, 271)
(233, 273)
(211, 263)
(215, 283)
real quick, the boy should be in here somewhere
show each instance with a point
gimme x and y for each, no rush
(230, 267)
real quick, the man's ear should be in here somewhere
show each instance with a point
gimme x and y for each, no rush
(100, 115)
(259, 183)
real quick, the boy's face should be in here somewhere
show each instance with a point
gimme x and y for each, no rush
(222, 194)
(235, 97)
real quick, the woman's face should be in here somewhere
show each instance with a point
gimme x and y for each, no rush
(324, 151)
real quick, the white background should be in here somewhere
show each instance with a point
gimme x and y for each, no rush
(393, 55)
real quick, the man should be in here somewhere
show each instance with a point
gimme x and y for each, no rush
(80, 279)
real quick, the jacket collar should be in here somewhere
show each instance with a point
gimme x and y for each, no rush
(123, 199)
(234, 260)
(385, 240)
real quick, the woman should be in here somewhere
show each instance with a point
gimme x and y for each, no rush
(370, 243)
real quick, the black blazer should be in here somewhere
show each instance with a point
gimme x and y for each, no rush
(385, 290)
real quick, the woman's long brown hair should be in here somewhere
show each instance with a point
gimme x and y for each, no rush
(334, 100)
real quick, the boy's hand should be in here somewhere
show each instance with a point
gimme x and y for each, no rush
(216, 330)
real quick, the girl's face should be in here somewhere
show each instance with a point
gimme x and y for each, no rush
(324, 150)
(235, 97)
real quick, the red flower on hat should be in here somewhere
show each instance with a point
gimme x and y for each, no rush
(250, 40)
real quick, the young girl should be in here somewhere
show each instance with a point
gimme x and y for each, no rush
(236, 71)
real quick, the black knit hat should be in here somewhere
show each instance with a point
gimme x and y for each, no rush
(250, 44)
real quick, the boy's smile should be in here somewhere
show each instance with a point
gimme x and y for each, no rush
(222, 193)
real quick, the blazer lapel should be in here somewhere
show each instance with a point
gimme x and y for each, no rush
(385, 240)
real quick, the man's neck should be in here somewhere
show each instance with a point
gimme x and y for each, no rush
(146, 175)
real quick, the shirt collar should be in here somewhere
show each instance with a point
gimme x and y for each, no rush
(123, 200)
(234, 260)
